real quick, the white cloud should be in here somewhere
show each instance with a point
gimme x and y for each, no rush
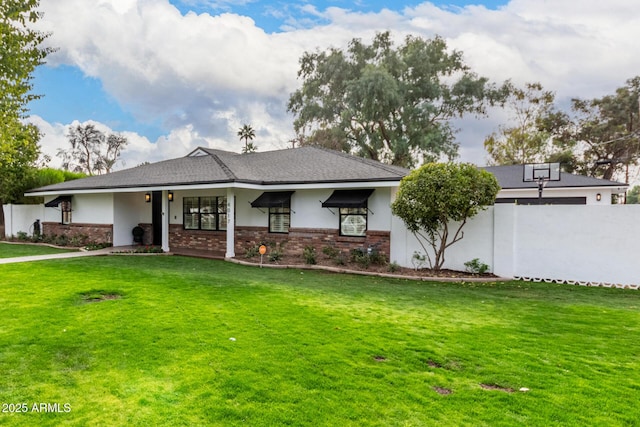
(204, 76)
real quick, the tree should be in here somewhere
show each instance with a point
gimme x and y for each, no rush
(91, 151)
(42, 177)
(434, 196)
(386, 103)
(633, 195)
(608, 132)
(536, 131)
(20, 54)
(247, 133)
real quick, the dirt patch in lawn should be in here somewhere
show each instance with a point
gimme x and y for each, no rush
(497, 387)
(442, 390)
(99, 296)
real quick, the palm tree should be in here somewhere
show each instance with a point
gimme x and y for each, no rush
(247, 133)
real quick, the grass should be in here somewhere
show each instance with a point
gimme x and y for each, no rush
(9, 250)
(139, 341)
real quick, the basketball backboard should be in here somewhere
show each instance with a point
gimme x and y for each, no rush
(537, 172)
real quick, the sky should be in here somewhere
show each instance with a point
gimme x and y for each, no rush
(172, 75)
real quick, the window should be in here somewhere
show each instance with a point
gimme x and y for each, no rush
(353, 221)
(352, 206)
(65, 208)
(279, 220)
(279, 205)
(204, 213)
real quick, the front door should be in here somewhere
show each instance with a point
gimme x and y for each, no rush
(156, 217)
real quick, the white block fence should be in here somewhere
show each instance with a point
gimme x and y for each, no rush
(587, 245)
(21, 218)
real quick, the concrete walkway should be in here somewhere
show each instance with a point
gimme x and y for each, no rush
(78, 254)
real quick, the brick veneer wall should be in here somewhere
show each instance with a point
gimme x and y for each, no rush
(294, 242)
(147, 237)
(96, 233)
(214, 241)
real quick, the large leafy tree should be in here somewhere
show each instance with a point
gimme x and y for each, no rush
(21, 52)
(536, 131)
(608, 132)
(91, 152)
(436, 200)
(388, 103)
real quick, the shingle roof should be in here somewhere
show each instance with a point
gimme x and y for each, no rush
(302, 165)
(510, 177)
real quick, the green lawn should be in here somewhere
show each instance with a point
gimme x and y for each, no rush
(201, 342)
(10, 250)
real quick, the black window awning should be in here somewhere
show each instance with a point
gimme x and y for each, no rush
(274, 199)
(348, 199)
(55, 202)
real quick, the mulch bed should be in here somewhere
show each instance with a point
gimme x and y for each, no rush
(322, 261)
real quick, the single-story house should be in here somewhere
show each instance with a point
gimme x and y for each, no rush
(570, 189)
(228, 203)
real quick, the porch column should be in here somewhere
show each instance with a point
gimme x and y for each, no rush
(231, 227)
(165, 220)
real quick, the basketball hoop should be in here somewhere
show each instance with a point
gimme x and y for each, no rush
(541, 173)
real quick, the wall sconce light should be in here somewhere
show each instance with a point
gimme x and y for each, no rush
(147, 197)
(170, 196)
(598, 197)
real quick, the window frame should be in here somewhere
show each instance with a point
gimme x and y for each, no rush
(65, 212)
(216, 211)
(286, 218)
(343, 213)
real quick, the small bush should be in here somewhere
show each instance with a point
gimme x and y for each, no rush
(309, 255)
(393, 267)
(61, 240)
(275, 255)
(252, 252)
(93, 246)
(377, 258)
(331, 252)
(78, 240)
(340, 259)
(418, 260)
(361, 257)
(476, 266)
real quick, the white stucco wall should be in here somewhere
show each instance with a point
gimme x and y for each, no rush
(582, 243)
(129, 211)
(21, 218)
(92, 208)
(477, 242)
(590, 244)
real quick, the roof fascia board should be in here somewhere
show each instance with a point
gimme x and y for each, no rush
(240, 185)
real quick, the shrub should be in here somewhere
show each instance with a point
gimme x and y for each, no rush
(393, 267)
(331, 252)
(93, 246)
(253, 251)
(275, 255)
(418, 260)
(377, 257)
(22, 236)
(309, 255)
(361, 257)
(78, 240)
(476, 266)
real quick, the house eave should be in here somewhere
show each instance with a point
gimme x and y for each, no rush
(249, 185)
